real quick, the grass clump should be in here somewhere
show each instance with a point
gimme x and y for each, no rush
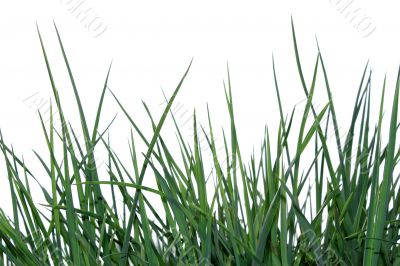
(255, 214)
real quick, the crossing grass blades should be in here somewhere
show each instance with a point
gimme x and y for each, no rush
(255, 215)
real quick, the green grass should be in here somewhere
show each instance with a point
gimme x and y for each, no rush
(258, 212)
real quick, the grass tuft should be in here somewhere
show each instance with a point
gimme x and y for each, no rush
(216, 209)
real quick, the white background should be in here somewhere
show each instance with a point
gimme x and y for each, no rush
(151, 44)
